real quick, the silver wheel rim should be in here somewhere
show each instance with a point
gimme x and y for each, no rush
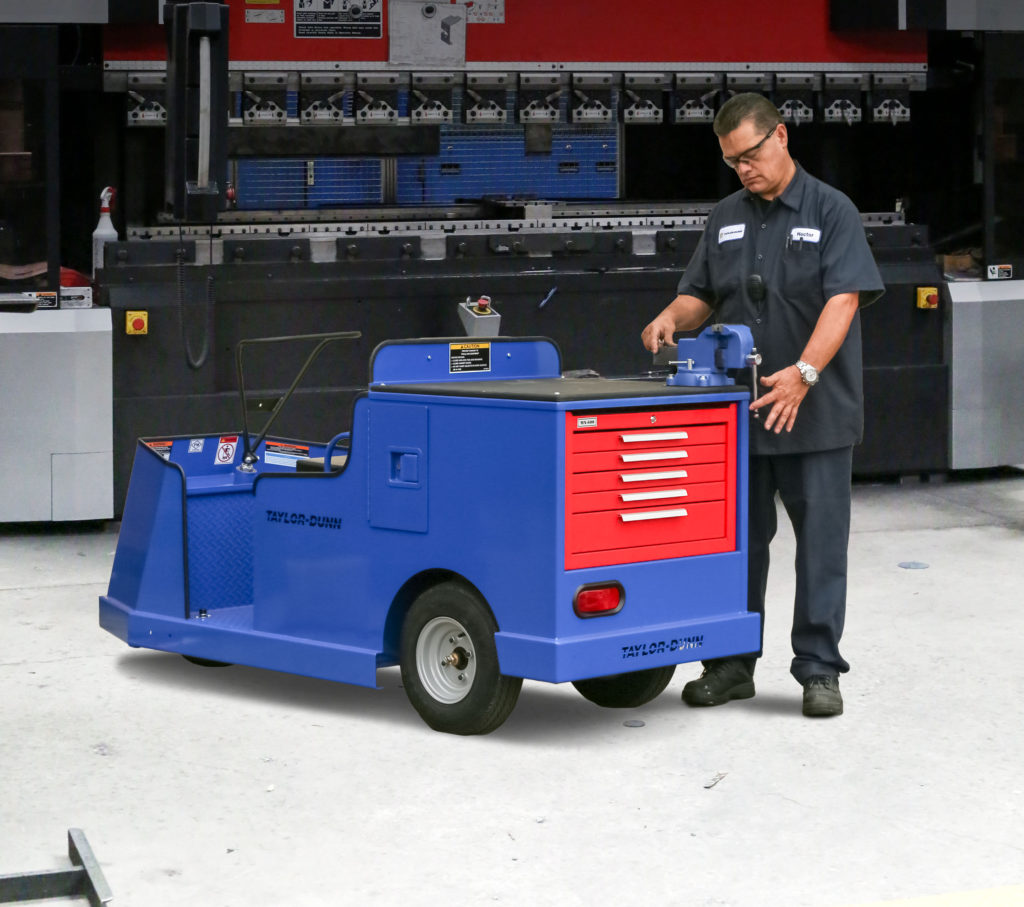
(445, 660)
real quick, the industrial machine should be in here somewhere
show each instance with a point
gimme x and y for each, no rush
(295, 166)
(483, 519)
(368, 149)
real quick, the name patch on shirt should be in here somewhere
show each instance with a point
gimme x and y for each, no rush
(805, 234)
(735, 231)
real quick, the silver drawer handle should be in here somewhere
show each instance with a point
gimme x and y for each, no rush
(649, 457)
(651, 515)
(653, 476)
(654, 495)
(655, 436)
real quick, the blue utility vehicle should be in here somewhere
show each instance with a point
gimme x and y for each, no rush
(484, 519)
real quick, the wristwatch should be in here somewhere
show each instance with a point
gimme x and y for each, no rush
(808, 373)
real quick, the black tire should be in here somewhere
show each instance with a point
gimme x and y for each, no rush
(626, 691)
(467, 695)
(206, 662)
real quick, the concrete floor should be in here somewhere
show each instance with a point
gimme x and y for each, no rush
(236, 787)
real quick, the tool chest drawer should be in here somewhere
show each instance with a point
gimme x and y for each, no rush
(659, 456)
(646, 477)
(635, 439)
(652, 420)
(669, 522)
(649, 484)
(633, 498)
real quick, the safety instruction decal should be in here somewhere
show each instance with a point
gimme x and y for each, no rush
(195, 445)
(161, 448)
(226, 448)
(339, 18)
(469, 357)
(281, 453)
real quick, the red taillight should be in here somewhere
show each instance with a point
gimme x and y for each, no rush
(598, 599)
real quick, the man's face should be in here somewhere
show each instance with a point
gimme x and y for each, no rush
(761, 160)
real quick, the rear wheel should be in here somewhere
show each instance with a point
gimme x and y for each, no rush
(450, 663)
(626, 691)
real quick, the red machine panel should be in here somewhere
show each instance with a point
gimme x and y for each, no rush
(573, 31)
(650, 484)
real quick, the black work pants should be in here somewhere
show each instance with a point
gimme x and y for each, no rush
(815, 492)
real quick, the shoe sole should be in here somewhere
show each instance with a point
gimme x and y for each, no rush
(823, 711)
(740, 691)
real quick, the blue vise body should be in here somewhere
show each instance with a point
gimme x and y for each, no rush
(705, 360)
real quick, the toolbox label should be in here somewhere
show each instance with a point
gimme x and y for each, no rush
(661, 646)
(589, 422)
(469, 357)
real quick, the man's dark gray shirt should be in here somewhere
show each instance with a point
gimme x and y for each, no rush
(808, 245)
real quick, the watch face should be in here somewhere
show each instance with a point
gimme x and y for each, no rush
(809, 374)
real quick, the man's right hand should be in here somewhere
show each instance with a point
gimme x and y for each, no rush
(659, 332)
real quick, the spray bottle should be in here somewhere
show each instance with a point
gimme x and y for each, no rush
(104, 231)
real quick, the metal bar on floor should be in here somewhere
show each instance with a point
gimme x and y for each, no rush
(84, 881)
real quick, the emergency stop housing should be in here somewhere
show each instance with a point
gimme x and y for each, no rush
(598, 525)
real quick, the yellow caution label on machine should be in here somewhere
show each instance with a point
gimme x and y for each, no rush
(469, 357)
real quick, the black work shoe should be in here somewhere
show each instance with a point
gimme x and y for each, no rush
(822, 697)
(722, 680)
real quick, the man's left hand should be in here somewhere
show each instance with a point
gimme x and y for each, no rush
(786, 392)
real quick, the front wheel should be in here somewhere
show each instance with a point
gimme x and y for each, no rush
(206, 662)
(626, 691)
(450, 663)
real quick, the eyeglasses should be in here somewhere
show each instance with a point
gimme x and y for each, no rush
(750, 154)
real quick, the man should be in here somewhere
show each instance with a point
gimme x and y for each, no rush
(786, 255)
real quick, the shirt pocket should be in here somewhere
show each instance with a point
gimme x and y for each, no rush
(801, 271)
(728, 267)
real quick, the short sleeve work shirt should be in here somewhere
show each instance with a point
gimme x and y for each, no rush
(807, 245)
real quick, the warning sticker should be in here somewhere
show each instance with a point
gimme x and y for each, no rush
(163, 448)
(469, 357)
(339, 18)
(195, 445)
(226, 448)
(280, 453)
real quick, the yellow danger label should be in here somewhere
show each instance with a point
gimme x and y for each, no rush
(470, 346)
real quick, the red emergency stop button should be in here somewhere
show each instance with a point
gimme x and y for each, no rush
(927, 297)
(136, 322)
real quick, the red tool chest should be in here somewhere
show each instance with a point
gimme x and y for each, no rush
(650, 484)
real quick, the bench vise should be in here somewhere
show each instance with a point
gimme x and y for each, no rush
(705, 360)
